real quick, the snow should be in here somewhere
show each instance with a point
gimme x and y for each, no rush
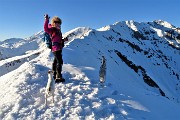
(125, 95)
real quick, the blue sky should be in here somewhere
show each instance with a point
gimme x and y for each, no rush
(23, 18)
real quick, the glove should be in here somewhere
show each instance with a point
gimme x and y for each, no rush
(46, 16)
(65, 39)
(62, 44)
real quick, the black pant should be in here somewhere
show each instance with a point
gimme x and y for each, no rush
(57, 64)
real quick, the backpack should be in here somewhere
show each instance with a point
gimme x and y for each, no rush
(47, 40)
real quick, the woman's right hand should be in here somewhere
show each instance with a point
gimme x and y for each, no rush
(46, 16)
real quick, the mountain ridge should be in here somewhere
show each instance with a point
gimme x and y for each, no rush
(142, 62)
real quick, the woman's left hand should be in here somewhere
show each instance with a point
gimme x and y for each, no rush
(65, 39)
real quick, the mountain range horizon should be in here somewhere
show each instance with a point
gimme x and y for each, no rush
(143, 74)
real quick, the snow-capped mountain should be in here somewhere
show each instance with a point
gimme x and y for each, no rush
(142, 82)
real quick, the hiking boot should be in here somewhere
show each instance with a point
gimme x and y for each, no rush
(58, 80)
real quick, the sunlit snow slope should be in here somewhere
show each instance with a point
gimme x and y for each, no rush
(143, 74)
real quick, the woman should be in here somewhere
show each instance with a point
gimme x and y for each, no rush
(54, 29)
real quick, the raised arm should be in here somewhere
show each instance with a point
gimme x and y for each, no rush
(46, 22)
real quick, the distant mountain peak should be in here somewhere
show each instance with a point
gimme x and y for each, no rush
(164, 23)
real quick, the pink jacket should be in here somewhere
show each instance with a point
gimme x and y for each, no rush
(56, 36)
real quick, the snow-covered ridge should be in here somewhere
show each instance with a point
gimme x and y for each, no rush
(77, 33)
(164, 23)
(142, 82)
(15, 47)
